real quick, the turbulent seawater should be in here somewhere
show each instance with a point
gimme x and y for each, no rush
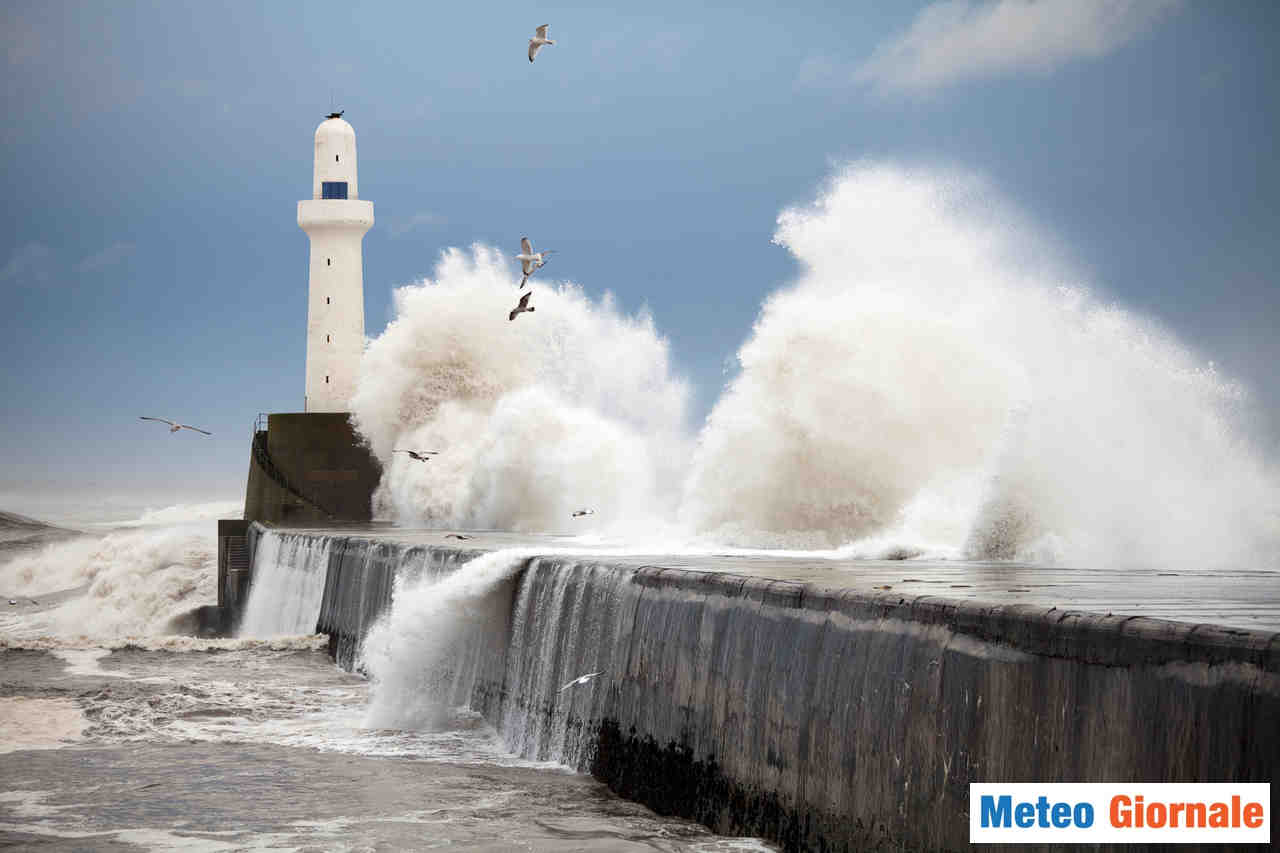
(937, 381)
(118, 734)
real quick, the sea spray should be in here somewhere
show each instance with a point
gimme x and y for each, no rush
(135, 582)
(423, 655)
(937, 382)
(534, 419)
(933, 378)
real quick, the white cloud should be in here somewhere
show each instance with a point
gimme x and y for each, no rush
(426, 219)
(954, 40)
(113, 254)
(31, 263)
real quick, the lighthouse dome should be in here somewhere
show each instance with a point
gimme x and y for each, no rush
(335, 162)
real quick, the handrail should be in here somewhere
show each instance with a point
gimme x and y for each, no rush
(262, 455)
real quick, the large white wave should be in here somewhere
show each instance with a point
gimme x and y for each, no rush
(127, 583)
(935, 378)
(936, 382)
(423, 654)
(572, 405)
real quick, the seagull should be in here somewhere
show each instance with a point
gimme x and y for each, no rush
(420, 455)
(530, 261)
(522, 307)
(581, 679)
(457, 536)
(173, 426)
(538, 40)
(12, 603)
(579, 513)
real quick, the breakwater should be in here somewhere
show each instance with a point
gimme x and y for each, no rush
(815, 715)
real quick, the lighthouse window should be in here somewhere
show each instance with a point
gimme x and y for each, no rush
(335, 158)
(326, 300)
(328, 262)
(326, 380)
(333, 189)
(326, 339)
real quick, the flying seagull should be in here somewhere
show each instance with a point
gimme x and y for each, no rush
(173, 426)
(579, 513)
(420, 455)
(581, 679)
(538, 40)
(522, 307)
(457, 536)
(530, 261)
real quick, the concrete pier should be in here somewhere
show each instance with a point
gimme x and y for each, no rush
(834, 705)
(309, 467)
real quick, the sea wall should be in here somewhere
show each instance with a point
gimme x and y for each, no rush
(826, 719)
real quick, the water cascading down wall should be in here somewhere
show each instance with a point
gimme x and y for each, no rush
(819, 718)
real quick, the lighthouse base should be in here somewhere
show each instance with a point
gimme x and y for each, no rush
(307, 468)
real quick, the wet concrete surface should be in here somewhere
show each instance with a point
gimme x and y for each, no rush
(1240, 598)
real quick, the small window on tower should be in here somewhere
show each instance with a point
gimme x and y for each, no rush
(326, 300)
(333, 189)
(328, 262)
(326, 380)
(326, 339)
(335, 158)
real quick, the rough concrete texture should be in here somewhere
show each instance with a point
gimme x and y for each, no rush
(828, 719)
(314, 469)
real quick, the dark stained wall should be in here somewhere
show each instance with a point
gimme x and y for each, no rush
(824, 718)
(308, 468)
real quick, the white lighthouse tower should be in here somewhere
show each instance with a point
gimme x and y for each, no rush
(336, 221)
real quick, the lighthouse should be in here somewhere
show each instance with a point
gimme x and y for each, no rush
(336, 221)
(310, 466)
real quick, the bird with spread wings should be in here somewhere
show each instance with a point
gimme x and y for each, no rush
(538, 40)
(174, 426)
(420, 455)
(531, 261)
(523, 306)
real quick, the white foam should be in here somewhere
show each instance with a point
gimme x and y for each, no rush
(288, 585)
(135, 582)
(421, 655)
(935, 379)
(936, 382)
(572, 406)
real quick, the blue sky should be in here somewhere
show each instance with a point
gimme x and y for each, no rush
(153, 155)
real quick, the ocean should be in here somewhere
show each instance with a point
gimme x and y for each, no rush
(118, 734)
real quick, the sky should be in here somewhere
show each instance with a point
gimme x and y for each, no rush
(153, 155)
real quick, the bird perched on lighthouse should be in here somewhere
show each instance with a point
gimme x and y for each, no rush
(538, 40)
(530, 261)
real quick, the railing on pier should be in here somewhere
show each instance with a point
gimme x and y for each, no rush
(262, 456)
